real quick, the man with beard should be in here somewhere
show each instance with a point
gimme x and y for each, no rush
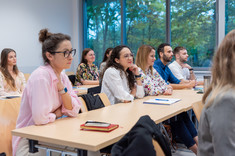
(181, 125)
(165, 55)
(179, 67)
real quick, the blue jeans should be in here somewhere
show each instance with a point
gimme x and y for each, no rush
(184, 129)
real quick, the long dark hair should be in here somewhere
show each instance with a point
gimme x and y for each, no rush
(50, 42)
(84, 53)
(105, 54)
(112, 63)
(4, 69)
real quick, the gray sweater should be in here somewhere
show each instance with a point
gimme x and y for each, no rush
(216, 132)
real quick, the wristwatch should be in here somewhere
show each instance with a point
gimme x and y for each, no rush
(63, 91)
(136, 76)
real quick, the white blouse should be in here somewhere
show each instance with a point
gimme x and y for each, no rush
(5, 89)
(116, 87)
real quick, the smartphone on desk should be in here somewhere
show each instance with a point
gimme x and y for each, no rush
(97, 124)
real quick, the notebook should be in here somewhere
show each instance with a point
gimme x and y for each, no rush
(108, 128)
(161, 101)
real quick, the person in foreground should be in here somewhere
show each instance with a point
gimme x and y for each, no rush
(152, 82)
(217, 122)
(87, 72)
(12, 81)
(121, 80)
(48, 94)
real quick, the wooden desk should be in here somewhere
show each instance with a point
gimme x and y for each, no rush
(80, 90)
(67, 131)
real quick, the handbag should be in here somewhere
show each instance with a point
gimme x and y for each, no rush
(92, 101)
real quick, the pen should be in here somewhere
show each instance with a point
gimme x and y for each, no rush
(161, 99)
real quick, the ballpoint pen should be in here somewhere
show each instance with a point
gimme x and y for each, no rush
(161, 99)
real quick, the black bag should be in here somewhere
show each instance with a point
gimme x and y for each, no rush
(138, 141)
(92, 102)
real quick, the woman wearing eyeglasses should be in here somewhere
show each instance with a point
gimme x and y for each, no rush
(87, 72)
(121, 80)
(48, 94)
(12, 81)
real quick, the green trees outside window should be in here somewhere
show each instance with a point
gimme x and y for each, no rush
(192, 25)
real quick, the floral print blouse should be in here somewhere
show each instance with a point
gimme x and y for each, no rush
(5, 89)
(153, 84)
(84, 72)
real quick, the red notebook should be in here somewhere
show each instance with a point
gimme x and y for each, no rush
(109, 128)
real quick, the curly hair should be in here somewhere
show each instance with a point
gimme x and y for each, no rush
(112, 63)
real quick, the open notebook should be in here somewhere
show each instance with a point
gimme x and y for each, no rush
(161, 101)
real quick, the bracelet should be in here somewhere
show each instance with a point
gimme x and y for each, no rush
(136, 76)
(190, 69)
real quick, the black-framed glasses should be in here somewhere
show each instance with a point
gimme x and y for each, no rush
(67, 53)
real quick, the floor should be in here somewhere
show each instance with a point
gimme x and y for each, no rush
(182, 151)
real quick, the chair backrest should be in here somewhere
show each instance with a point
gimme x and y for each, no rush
(26, 75)
(103, 98)
(83, 106)
(72, 79)
(197, 108)
(9, 110)
(158, 149)
(94, 90)
(69, 73)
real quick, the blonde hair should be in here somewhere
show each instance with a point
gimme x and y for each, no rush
(223, 73)
(142, 57)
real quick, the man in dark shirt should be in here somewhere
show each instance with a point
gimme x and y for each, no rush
(165, 55)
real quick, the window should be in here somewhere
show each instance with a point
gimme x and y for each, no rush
(193, 25)
(145, 23)
(103, 26)
(229, 15)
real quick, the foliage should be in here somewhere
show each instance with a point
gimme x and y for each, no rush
(193, 25)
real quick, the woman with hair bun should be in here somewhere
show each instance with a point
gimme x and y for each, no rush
(48, 94)
(12, 81)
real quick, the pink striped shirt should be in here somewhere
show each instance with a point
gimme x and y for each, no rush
(41, 98)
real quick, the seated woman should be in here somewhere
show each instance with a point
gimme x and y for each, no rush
(121, 80)
(12, 81)
(151, 80)
(217, 123)
(153, 84)
(87, 72)
(48, 94)
(105, 59)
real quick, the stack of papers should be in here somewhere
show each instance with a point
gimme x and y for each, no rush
(162, 101)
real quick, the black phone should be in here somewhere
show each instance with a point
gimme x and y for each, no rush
(97, 124)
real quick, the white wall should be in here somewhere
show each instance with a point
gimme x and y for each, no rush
(21, 21)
